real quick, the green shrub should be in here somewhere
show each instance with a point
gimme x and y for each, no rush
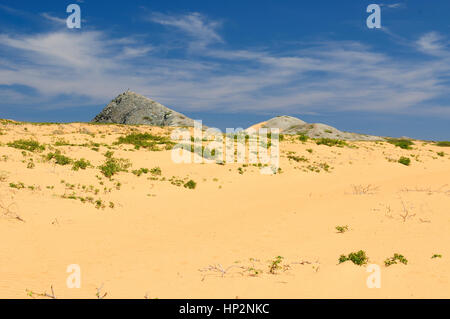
(359, 258)
(145, 140)
(81, 163)
(342, 229)
(113, 166)
(441, 153)
(436, 256)
(139, 172)
(393, 260)
(404, 160)
(402, 143)
(297, 158)
(190, 184)
(28, 145)
(156, 171)
(443, 143)
(330, 142)
(59, 158)
(19, 185)
(303, 137)
(275, 264)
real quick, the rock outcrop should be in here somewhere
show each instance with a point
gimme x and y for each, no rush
(293, 125)
(132, 108)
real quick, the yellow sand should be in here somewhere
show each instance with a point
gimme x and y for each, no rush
(166, 241)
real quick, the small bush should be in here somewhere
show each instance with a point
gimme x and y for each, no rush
(190, 184)
(156, 171)
(359, 258)
(330, 142)
(275, 264)
(402, 143)
(19, 185)
(139, 172)
(59, 158)
(342, 229)
(393, 260)
(113, 166)
(303, 137)
(81, 163)
(145, 140)
(443, 143)
(440, 154)
(297, 158)
(436, 256)
(28, 145)
(404, 160)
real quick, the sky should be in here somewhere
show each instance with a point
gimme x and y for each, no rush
(233, 63)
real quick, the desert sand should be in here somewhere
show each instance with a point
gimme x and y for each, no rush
(160, 240)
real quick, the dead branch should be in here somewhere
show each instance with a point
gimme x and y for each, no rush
(32, 294)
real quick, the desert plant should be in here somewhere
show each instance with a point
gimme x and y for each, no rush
(393, 260)
(342, 229)
(303, 137)
(402, 143)
(440, 154)
(275, 264)
(436, 256)
(359, 258)
(190, 184)
(156, 171)
(443, 143)
(28, 145)
(59, 158)
(81, 163)
(113, 166)
(145, 140)
(330, 142)
(404, 160)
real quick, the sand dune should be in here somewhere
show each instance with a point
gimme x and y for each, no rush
(144, 235)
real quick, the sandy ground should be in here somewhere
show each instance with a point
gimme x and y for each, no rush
(166, 241)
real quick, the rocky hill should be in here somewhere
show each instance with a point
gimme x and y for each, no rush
(132, 108)
(293, 125)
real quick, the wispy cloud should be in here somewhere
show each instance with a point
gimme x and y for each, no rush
(53, 18)
(92, 67)
(202, 30)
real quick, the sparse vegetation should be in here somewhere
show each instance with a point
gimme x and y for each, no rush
(113, 166)
(436, 256)
(190, 184)
(330, 142)
(156, 171)
(28, 145)
(342, 229)
(404, 160)
(359, 258)
(402, 143)
(396, 258)
(81, 163)
(303, 137)
(443, 143)
(59, 158)
(146, 140)
(275, 264)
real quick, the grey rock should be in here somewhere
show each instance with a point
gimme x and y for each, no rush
(283, 122)
(315, 130)
(132, 108)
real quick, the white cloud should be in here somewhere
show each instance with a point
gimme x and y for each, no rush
(53, 19)
(193, 24)
(329, 76)
(432, 43)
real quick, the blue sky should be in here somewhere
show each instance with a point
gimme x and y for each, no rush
(233, 63)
